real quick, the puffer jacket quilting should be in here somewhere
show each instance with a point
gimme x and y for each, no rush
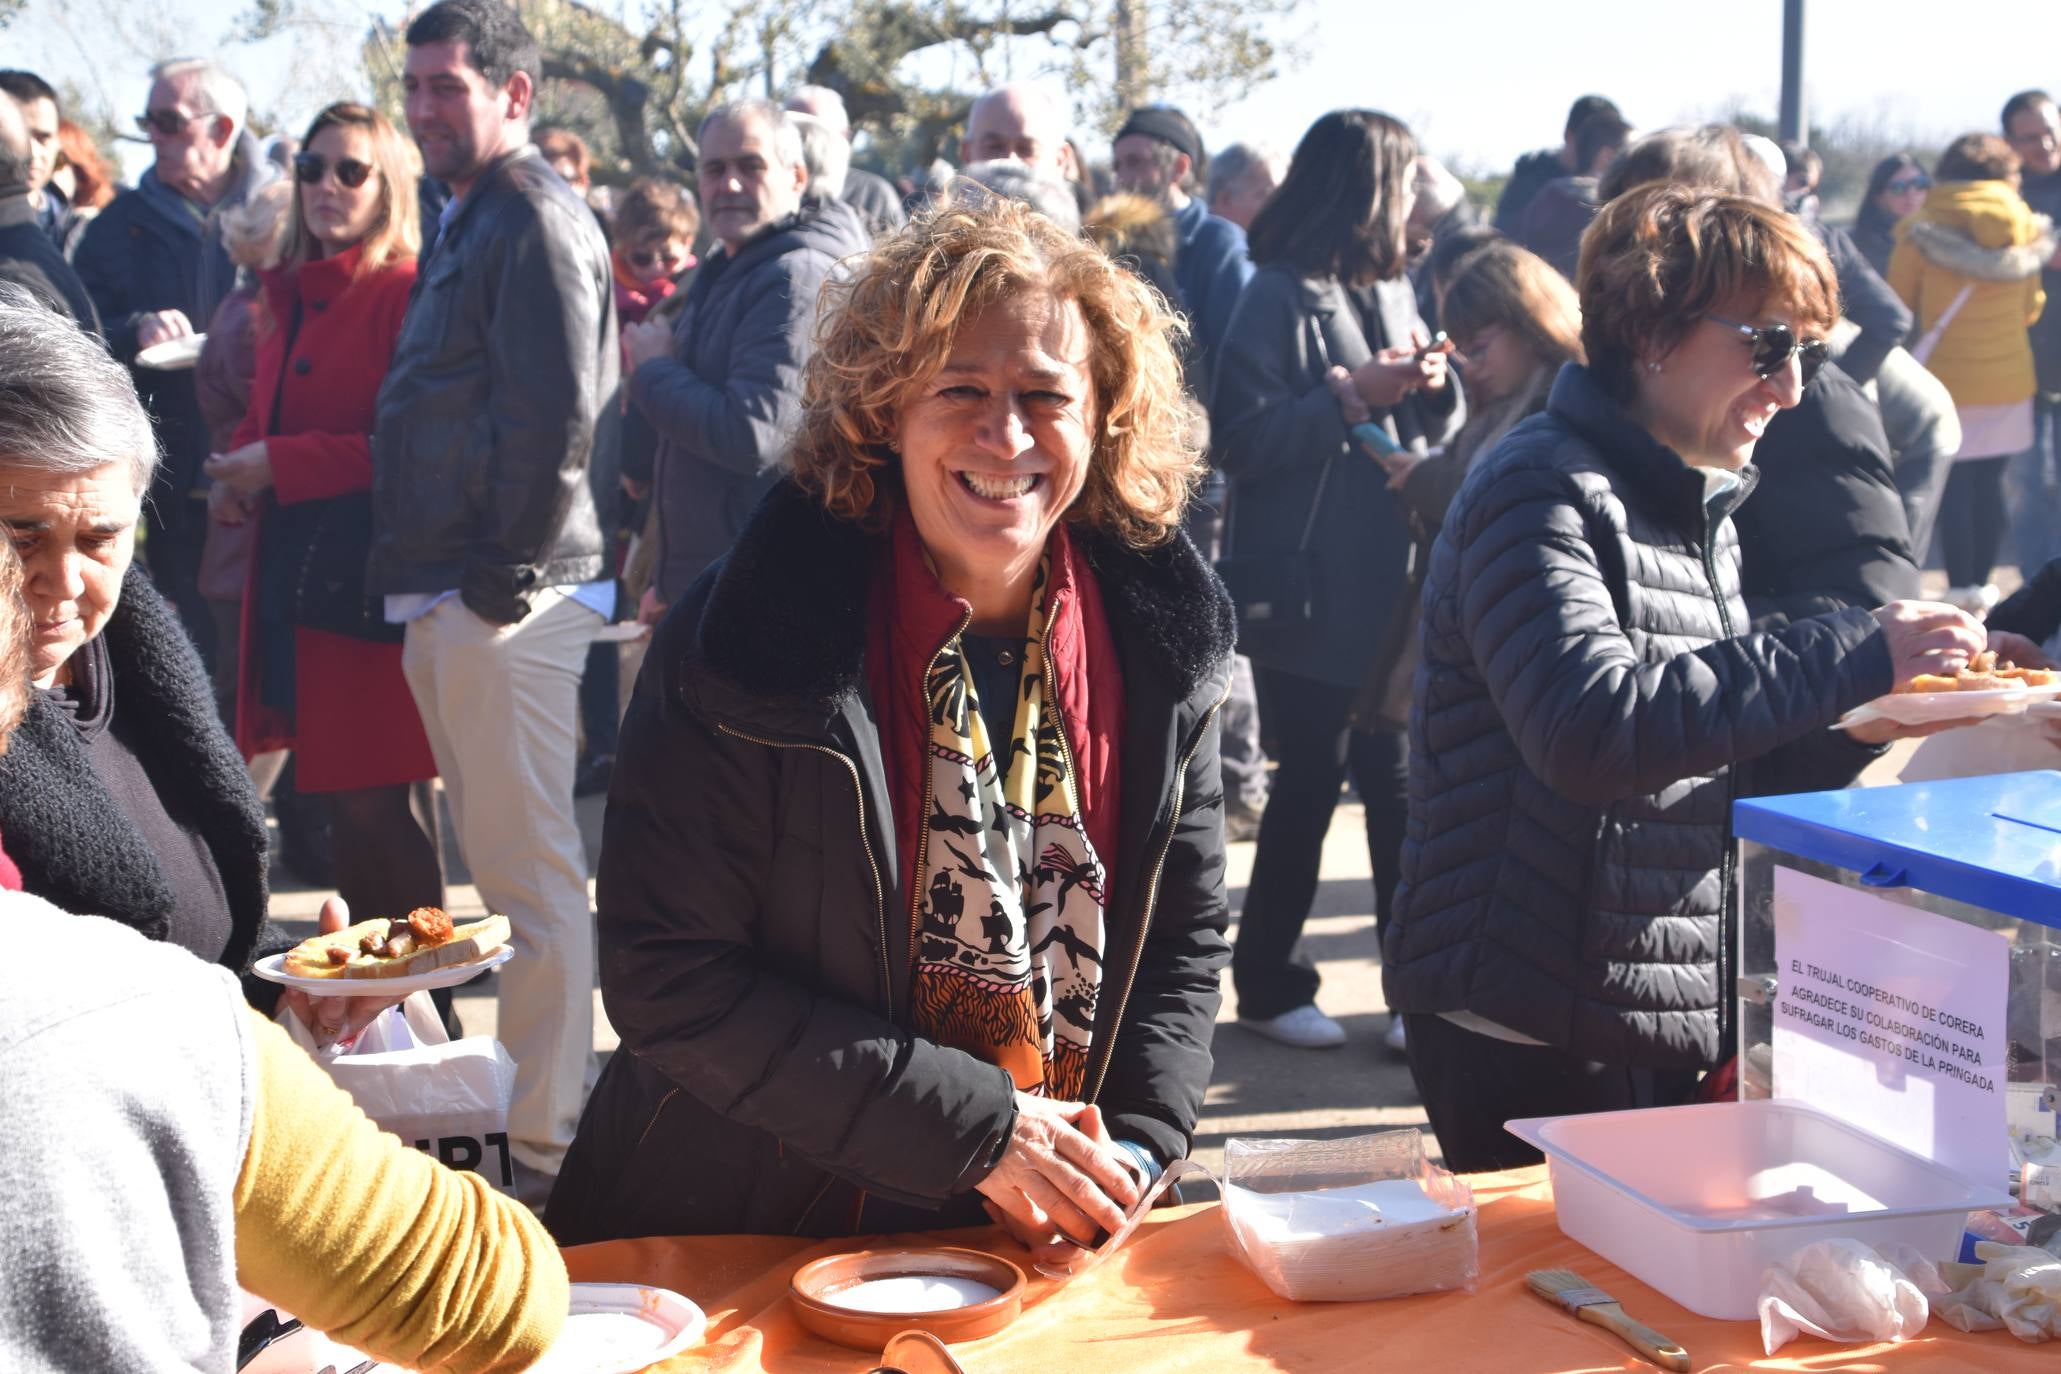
(1578, 709)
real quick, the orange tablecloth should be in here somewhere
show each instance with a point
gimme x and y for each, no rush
(1175, 1301)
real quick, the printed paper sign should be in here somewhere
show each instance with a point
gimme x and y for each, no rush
(1893, 1018)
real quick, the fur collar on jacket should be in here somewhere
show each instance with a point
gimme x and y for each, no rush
(1953, 250)
(784, 611)
(58, 821)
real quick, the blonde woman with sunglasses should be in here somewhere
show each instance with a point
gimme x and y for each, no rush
(321, 671)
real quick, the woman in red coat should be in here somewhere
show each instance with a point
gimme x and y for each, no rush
(321, 670)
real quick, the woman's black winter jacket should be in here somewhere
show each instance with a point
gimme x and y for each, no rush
(1588, 691)
(754, 927)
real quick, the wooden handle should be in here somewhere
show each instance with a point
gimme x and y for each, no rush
(1640, 1337)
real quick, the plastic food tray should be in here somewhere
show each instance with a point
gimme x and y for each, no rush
(1698, 1201)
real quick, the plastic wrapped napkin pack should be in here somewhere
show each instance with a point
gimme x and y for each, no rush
(1348, 1220)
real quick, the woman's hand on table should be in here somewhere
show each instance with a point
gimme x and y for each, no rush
(248, 470)
(1062, 1182)
(334, 1019)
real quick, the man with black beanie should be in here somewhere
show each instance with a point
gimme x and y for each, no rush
(1158, 155)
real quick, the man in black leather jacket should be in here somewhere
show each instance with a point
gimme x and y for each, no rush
(486, 543)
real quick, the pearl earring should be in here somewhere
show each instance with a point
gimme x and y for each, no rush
(1653, 367)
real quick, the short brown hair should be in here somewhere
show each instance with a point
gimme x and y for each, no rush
(1977, 157)
(888, 327)
(557, 143)
(1661, 256)
(1517, 290)
(653, 210)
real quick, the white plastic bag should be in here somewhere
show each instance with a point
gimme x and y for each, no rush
(1346, 1220)
(446, 1098)
(1839, 1290)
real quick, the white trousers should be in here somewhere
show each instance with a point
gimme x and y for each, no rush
(500, 704)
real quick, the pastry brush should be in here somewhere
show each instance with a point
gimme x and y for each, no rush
(1573, 1292)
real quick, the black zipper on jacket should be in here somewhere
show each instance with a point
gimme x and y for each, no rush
(1727, 927)
(1105, 1049)
(887, 995)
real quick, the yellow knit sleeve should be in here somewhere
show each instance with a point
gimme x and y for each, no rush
(379, 1245)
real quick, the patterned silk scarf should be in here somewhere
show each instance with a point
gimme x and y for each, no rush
(1009, 942)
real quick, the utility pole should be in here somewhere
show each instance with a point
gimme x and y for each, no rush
(1795, 121)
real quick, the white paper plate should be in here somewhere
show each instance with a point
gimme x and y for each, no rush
(612, 1328)
(272, 969)
(173, 355)
(620, 1328)
(1927, 708)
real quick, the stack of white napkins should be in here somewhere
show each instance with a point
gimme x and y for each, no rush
(1346, 1220)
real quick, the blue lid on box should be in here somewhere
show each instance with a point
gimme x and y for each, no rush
(1992, 842)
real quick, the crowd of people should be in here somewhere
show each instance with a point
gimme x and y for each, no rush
(1009, 546)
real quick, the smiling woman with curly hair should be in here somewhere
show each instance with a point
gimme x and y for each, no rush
(912, 892)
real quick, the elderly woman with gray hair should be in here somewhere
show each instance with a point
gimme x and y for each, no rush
(121, 793)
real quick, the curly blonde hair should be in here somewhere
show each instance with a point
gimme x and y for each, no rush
(888, 328)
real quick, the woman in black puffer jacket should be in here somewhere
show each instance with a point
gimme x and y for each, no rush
(1590, 688)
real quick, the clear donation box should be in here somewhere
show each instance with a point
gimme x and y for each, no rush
(1899, 962)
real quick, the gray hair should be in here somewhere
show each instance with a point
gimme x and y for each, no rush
(14, 144)
(1045, 193)
(828, 155)
(787, 138)
(1235, 161)
(825, 104)
(66, 407)
(218, 92)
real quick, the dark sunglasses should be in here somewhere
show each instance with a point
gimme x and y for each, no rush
(1903, 184)
(168, 122)
(309, 167)
(650, 257)
(1775, 344)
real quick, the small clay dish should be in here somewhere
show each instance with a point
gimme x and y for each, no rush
(817, 1284)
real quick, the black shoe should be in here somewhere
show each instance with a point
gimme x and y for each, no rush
(592, 779)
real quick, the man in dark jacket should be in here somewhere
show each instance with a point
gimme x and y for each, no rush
(2032, 125)
(1158, 154)
(1866, 299)
(1552, 224)
(155, 267)
(38, 101)
(1825, 528)
(722, 384)
(485, 538)
(28, 257)
(1535, 170)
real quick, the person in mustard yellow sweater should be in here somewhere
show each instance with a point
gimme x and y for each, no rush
(1968, 264)
(162, 1143)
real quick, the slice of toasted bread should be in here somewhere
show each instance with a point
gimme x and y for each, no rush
(310, 958)
(467, 943)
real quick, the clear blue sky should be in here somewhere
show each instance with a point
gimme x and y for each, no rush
(1479, 80)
